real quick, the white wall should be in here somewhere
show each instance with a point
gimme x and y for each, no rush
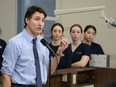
(105, 36)
(7, 19)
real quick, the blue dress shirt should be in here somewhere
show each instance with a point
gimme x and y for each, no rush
(19, 61)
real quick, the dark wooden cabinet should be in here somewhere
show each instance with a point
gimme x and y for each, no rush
(77, 77)
(104, 76)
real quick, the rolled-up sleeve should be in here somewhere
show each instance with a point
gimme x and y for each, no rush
(9, 58)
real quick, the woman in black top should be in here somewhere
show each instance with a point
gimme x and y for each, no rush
(2, 47)
(77, 53)
(57, 31)
(89, 35)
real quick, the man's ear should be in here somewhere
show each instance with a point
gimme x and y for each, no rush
(27, 20)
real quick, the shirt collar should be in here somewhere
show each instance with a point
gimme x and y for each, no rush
(27, 36)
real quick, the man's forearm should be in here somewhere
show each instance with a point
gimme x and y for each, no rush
(6, 80)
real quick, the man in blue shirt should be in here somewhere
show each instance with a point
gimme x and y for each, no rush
(18, 63)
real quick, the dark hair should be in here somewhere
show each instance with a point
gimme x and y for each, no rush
(31, 10)
(78, 25)
(90, 26)
(57, 24)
